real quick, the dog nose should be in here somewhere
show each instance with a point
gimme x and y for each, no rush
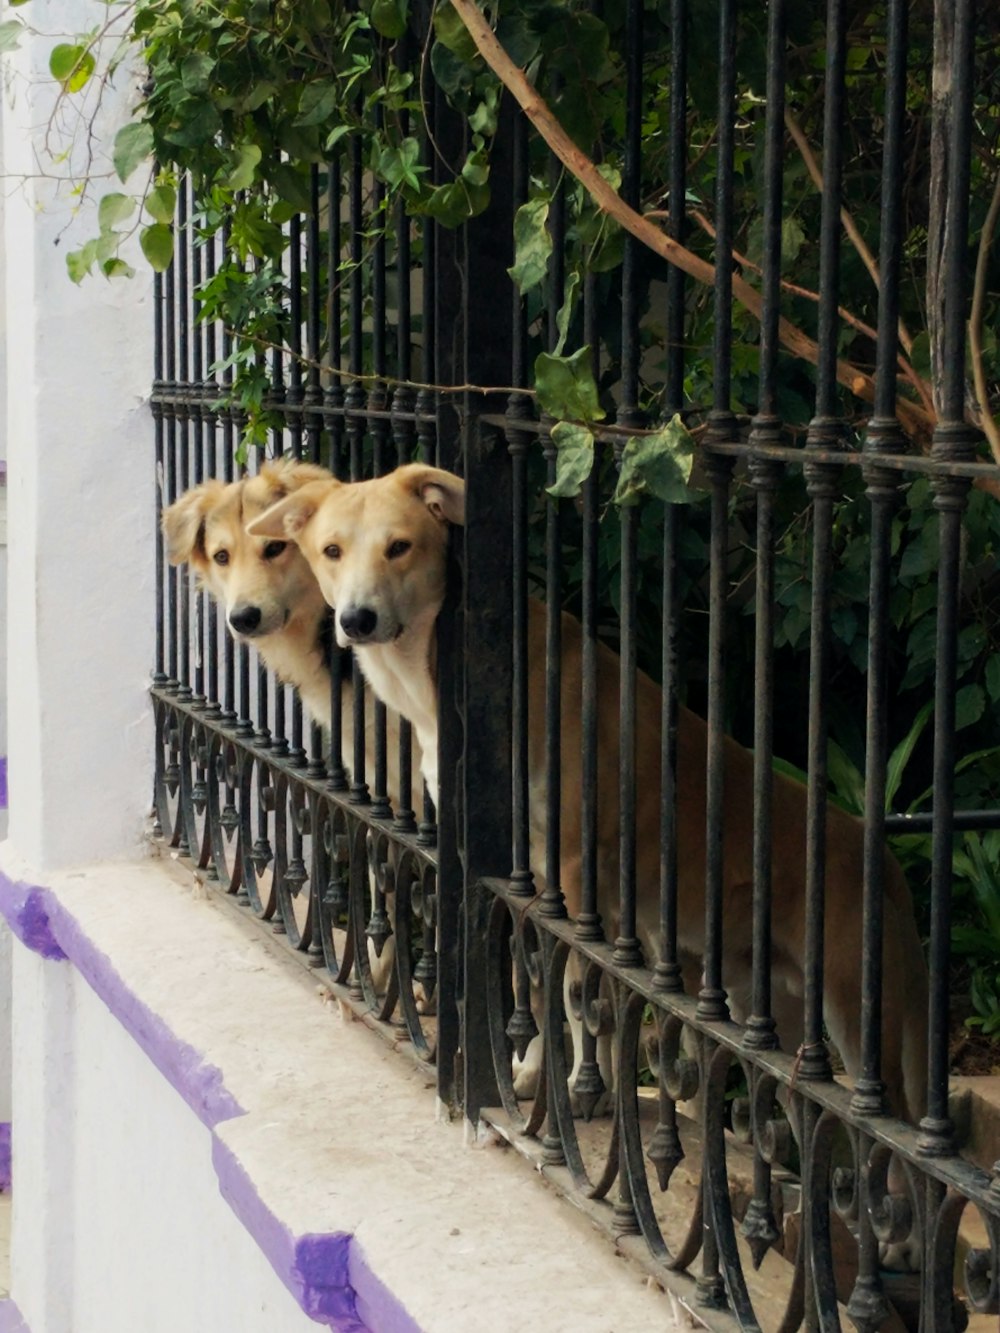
(245, 619)
(358, 622)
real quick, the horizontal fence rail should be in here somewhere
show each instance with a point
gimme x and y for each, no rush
(641, 937)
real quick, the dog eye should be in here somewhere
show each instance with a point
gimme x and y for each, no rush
(332, 552)
(273, 549)
(397, 549)
(221, 557)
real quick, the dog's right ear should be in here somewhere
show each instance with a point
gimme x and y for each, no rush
(287, 519)
(184, 522)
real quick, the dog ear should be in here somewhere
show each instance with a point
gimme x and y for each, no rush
(284, 475)
(183, 522)
(286, 519)
(442, 492)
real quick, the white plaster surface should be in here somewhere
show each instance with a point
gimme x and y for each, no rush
(113, 1175)
(80, 503)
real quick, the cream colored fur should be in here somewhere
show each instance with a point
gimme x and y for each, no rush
(352, 534)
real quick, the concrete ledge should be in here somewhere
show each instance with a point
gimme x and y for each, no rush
(325, 1146)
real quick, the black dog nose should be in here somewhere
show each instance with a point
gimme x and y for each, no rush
(245, 619)
(358, 622)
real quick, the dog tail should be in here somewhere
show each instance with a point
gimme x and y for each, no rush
(901, 919)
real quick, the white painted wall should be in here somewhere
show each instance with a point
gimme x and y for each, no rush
(80, 493)
(118, 1220)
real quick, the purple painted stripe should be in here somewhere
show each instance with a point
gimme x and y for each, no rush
(40, 921)
(24, 907)
(327, 1274)
(313, 1268)
(4, 1155)
(11, 1320)
(3, 782)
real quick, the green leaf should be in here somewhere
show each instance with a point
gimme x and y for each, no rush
(133, 144)
(196, 71)
(566, 387)
(292, 186)
(452, 33)
(117, 268)
(574, 458)
(845, 778)
(114, 208)
(993, 677)
(241, 176)
(161, 202)
(566, 311)
(157, 244)
(658, 464)
(72, 64)
(532, 243)
(900, 756)
(80, 262)
(317, 103)
(10, 34)
(970, 705)
(389, 17)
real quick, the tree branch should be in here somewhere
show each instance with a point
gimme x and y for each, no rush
(919, 385)
(914, 417)
(849, 225)
(986, 418)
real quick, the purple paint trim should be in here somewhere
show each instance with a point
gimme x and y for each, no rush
(313, 1268)
(11, 1319)
(377, 1306)
(327, 1274)
(4, 1155)
(3, 782)
(24, 906)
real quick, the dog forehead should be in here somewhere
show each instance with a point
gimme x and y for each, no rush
(223, 522)
(370, 511)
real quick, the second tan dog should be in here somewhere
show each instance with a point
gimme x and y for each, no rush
(378, 551)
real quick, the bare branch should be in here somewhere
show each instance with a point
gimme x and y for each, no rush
(986, 418)
(914, 417)
(855, 237)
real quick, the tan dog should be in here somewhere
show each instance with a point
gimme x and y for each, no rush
(270, 597)
(378, 551)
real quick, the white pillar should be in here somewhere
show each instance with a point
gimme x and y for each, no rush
(80, 509)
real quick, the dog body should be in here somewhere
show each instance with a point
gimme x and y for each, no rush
(378, 551)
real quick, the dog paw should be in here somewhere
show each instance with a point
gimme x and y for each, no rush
(527, 1072)
(902, 1256)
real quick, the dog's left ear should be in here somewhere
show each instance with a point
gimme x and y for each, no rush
(287, 519)
(442, 492)
(284, 475)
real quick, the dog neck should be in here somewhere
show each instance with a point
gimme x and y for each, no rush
(403, 675)
(300, 656)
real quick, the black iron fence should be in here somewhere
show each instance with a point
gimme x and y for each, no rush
(640, 951)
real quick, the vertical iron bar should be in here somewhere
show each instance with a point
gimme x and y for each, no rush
(377, 404)
(354, 403)
(294, 397)
(198, 447)
(160, 480)
(333, 418)
(882, 436)
(953, 440)
(183, 413)
(518, 443)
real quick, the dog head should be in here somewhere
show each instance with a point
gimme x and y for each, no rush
(264, 584)
(376, 547)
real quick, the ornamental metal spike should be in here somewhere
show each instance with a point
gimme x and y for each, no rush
(665, 1152)
(295, 876)
(868, 1308)
(522, 1029)
(199, 796)
(261, 855)
(379, 930)
(760, 1229)
(172, 778)
(425, 973)
(336, 897)
(229, 819)
(588, 1088)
